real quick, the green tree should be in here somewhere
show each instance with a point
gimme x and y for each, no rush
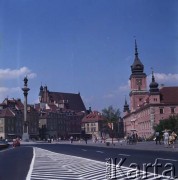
(170, 123)
(111, 116)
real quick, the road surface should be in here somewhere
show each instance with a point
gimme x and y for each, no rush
(65, 161)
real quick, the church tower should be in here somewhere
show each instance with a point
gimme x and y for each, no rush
(154, 96)
(138, 84)
(126, 108)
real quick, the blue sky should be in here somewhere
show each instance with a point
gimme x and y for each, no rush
(85, 46)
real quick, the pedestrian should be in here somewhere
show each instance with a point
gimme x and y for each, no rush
(86, 140)
(71, 139)
(133, 138)
(136, 138)
(166, 138)
(128, 138)
(96, 139)
(172, 138)
(157, 135)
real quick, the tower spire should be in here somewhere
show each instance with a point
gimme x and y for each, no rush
(153, 85)
(125, 101)
(136, 49)
(153, 78)
(137, 66)
(126, 106)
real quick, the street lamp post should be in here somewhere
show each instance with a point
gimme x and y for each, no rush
(25, 89)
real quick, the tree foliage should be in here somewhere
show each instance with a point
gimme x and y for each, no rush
(170, 123)
(111, 116)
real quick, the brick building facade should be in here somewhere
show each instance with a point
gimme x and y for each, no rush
(12, 119)
(60, 114)
(147, 107)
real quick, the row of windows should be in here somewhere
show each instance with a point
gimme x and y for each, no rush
(1, 129)
(144, 113)
(148, 111)
(161, 110)
(144, 125)
(65, 115)
(91, 124)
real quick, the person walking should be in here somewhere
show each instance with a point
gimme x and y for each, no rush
(128, 138)
(133, 138)
(157, 137)
(86, 140)
(166, 138)
(71, 139)
(172, 138)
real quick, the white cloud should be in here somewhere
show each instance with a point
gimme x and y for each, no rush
(16, 73)
(9, 90)
(120, 91)
(88, 100)
(6, 92)
(162, 78)
(125, 88)
(128, 58)
(108, 96)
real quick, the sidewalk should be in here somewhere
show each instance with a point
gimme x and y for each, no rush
(147, 145)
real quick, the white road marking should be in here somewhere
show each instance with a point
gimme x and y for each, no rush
(123, 154)
(48, 165)
(84, 150)
(8, 149)
(167, 159)
(31, 166)
(99, 151)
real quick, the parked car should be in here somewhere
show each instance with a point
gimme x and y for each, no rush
(16, 142)
(3, 144)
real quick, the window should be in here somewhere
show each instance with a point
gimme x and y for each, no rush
(161, 110)
(139, 83)
(1, 129)
(172, 110)
(1, 121)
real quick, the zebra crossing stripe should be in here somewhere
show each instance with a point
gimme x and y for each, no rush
(48, 165)
(31, 166)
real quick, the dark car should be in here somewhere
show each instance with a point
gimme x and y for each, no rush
(3, 144)
(16, 142)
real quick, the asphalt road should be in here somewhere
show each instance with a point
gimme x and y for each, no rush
(142, 158)
(15, 163)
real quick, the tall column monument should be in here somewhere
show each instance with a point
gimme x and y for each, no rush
(25, 89)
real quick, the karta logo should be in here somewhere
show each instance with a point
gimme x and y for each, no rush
(115, 169)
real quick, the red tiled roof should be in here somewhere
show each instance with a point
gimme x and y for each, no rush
(13, 102)
(169, 95)
(74, 100)
(6, 113)
(37, 106)
(94, 116)
(19, 105)
(52, 107)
